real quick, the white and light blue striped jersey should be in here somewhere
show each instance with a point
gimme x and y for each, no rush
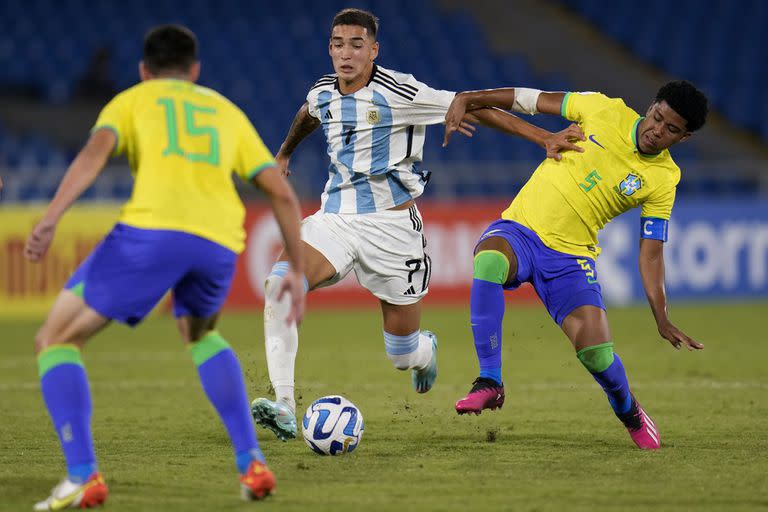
(375, 139)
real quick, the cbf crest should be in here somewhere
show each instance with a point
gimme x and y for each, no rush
(631, 184)
(373, 116)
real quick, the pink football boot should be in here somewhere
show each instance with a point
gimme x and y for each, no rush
(485, 394)
(641, 427)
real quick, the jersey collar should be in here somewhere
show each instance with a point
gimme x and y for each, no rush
(370, 79)
(635, 127)
(374, 70)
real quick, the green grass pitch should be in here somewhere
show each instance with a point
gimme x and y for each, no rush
(554, 446)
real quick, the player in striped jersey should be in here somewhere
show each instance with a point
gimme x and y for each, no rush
(374, 121)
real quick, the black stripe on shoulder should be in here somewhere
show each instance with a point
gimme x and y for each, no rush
(323, 82)
(331, 76)
(326, 77)
(409, 92)
(391, 79)
(384, 84)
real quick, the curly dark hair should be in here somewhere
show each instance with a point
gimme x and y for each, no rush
(686, 100)
(357, 17)
(170, 48)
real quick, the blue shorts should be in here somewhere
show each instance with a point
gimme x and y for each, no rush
(128, 273)
(563, 281)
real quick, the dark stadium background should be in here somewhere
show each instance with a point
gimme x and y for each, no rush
(60, 62)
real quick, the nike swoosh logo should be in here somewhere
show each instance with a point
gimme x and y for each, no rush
(66, 501)
(592, 138)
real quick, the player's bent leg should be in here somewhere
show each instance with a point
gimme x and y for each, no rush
(65, 390)
(222, 379)
(70, 320)
(408, 347)
(281, 343)
(587, 328)
(494, 263)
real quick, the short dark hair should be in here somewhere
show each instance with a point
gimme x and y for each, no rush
(170, 48)
(686, 100)
(357, 17)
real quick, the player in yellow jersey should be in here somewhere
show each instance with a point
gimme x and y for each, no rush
(548, 235)
(181, 230)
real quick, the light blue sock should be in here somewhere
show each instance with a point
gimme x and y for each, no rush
(402, 349)
(281, 268)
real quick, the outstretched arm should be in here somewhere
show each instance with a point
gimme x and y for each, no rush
(83, 171)
(651, 263)
(529, 101)
(303, 124)
(553, 143)
(285, 205)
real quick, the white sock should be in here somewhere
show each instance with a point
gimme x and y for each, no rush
(413, 351)
(281, 340)
(423, 354)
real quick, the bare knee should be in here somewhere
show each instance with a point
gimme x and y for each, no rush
(194, 329)
(42, 341)
(586, 326)
(46, 338)
(70, 321)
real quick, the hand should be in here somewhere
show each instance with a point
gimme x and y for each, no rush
(564, 140)
(39, 240)
(454, 118)
(678, 338)
(293, 283)
(282, 164)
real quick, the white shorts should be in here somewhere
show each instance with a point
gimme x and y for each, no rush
(385, 249)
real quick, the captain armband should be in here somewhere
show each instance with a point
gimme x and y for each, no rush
(525, 100)
(654, 228)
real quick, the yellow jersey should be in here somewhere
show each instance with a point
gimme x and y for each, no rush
(183, 142)
(567, 202)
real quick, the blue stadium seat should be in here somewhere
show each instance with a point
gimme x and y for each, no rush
(264, 59)
(720, 46)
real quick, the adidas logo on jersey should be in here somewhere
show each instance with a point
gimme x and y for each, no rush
(328, 115)
(410, 291)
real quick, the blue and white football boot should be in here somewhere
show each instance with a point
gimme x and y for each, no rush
(275, 416)
(424, 379)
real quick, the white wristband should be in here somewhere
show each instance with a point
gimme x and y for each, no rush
(525, 100)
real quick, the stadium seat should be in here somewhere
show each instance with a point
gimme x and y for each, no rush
(718, 46)
(244, 51)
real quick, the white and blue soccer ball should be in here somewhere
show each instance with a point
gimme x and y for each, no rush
(332, 425)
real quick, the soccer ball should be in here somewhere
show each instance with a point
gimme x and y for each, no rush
(332, 425)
